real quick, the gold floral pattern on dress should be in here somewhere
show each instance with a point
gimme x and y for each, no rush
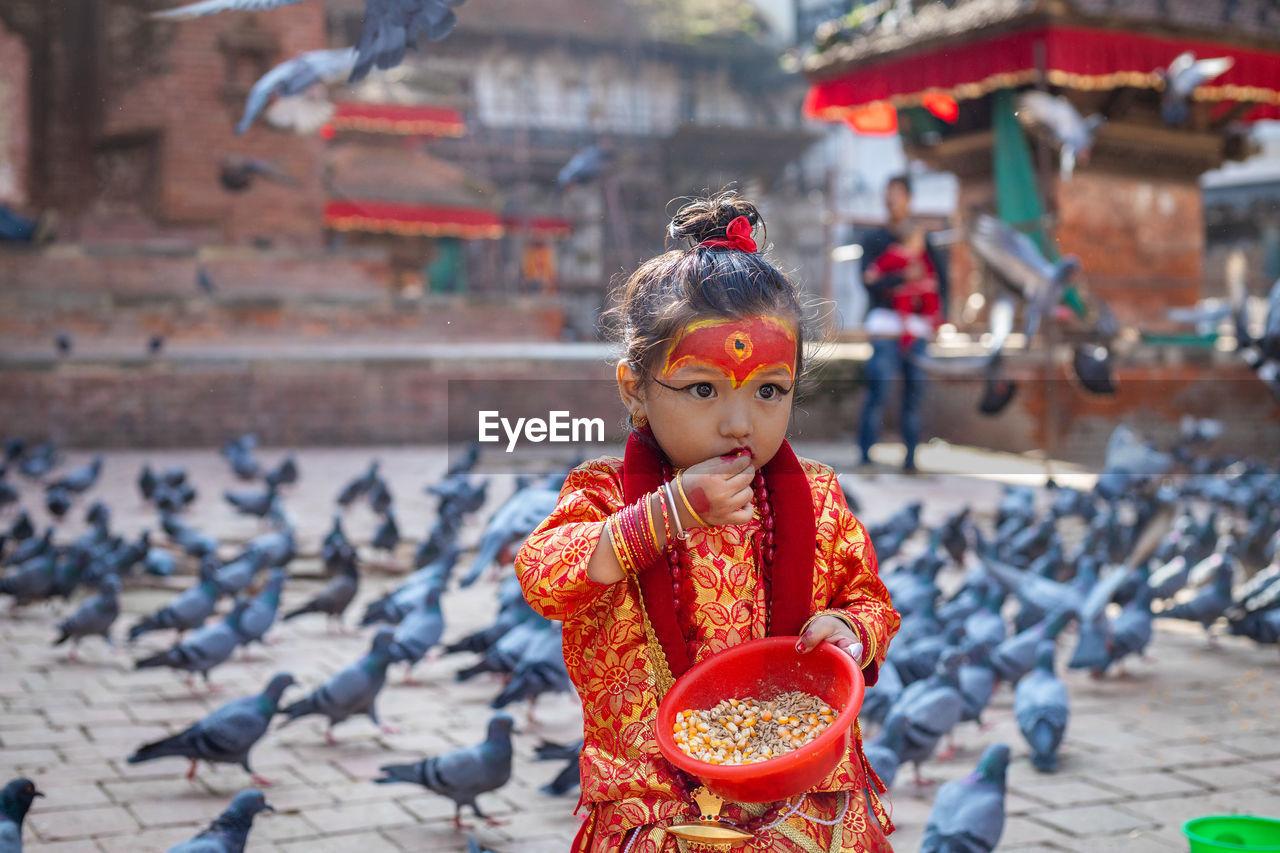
(625, 781)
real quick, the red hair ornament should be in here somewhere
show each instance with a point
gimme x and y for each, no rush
(737, 236)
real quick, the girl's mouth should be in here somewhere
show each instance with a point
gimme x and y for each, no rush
(735, 453)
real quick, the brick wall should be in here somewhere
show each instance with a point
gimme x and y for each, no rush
(295, 399)
(15, 120)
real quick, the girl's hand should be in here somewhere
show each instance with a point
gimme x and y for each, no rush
(834, 631)
(719, 490)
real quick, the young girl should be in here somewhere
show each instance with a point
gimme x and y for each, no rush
(708, 532)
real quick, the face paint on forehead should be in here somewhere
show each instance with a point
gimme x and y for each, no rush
(740, 348)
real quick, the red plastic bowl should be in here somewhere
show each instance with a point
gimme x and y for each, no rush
(762, 669)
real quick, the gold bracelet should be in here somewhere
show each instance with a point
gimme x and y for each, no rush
(864, 635)
(613, 540)
(685, 499)
(648, 514)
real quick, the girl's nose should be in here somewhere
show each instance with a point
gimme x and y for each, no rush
(735, 419)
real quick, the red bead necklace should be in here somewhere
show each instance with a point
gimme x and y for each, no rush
(762, 546)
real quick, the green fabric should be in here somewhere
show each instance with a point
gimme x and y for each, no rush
(446, 272)
(1017, 195)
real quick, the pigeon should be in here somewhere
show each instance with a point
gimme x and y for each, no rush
(236, 576)
(882, 752)
(397, 604)
(1130, 633)
(968, 814)
(260, 614)
(511, 523)
(94, 617)
(188, 610)
(32, 580)
(229, 832)
(387, 536)
(30, 548)
(354, 690)
(1041, 707)
(583, 167)
(336, 549)
(1016, 656)
(505, 654)
(541, 669)
(419, 631)
(1181, 78)
(879, 697)
(204, 648)
(511, 612)
(284, 474)
(57, 500)
(80, 479)
(977, 682)
(1056, 118)
(15, 801)
(224, 736)
(465, 463)
(462, 774)
(1263, 626)
(159, 562)
(1020, 265)
(204, 281)
(335, 598)
(252, 502)
(568, 778)
(9, 493)
(63, 342)
(237, 173)
(272, 550)
(929, 712)
(360, 486)
(41, 459)
(379, 496)
(192, 541)
(1211, 602)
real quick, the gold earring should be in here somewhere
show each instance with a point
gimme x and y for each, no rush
(638, 420)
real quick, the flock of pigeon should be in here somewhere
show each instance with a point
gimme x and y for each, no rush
(1162, 535)
(1181, 534)
(235, 602)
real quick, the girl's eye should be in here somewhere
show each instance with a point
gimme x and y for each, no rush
(703, 390)
(772, 391)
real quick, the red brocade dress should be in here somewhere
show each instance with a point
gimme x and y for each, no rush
(628, 787)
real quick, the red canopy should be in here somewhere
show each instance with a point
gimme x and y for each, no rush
(1077, 58)
(409, 120)
(384, 217)
(542, 226)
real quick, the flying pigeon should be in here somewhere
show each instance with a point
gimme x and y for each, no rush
(1056, 118)
(353, 690)
(1041, 706)
(1181, 78)
(1018, 262)
(226, 735)
(463, 774)
(229, 832)
(968, 813)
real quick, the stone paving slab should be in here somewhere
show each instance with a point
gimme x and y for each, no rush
(1195, 732)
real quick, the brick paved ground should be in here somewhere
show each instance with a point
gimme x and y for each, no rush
(1193, 733)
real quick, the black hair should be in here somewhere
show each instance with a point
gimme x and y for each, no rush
(901, 178)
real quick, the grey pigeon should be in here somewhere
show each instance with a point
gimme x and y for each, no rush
(503, 656)
(252, 502)
(419, 631)
(929, 712)
(94, 617)
(238, 173)
(80, 479)
(879, 697)
(387, 536)
(570, 776)
(1020, 265)
(977, 682)
(583, 167)
(968, 814)
(229, 832)
(33, 580)
(883, 752)
(1055, 117)
(295, 76)
(226, 735)
(1181, 78)
(202, 649)
(511, 612)
(187, 611)
(334, 599)
(260, 614)
(237, 575)
(541, 669)
(360, 486)
(1041, 706)
(15, 801)
(1209, 603)
(1016, 656)
(399, 603)
(463, 774)
(511, 523)
(354, 690)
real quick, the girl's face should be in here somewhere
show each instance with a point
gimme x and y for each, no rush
(723, 384)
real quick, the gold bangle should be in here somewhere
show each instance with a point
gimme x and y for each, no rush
(864, 635)
(648, 514)
(613, 541)
(685, 499)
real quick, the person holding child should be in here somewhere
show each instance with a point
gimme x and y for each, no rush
(707, 533)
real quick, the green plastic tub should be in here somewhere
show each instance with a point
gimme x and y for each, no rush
(1233, 834)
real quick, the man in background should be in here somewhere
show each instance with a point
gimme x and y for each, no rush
(905, 279)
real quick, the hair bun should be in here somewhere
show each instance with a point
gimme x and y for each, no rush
(708, 218)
